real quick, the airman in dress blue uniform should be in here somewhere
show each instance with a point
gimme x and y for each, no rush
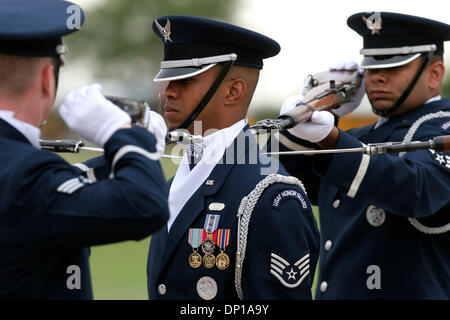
(49, 213)
(384, 219)
(236, 230)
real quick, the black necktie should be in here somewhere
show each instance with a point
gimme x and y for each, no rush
(195, 152)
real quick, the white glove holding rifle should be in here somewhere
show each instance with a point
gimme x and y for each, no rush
(314, 130)
(356, 101)
(322, 122)
(155, 123)
(88, 113)
(344, 109)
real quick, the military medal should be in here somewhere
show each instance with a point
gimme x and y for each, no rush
(223, 239)
(195, 239)
(208, 246)
(209, 260)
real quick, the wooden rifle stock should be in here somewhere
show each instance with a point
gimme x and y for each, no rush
(303, 112)
(332, 90)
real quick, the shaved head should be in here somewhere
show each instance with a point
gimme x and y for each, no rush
(250, 76)
(19, 73)
(28, 87)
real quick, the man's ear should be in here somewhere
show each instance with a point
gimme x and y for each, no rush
(235, 91)
(436, 74)
(48, 81)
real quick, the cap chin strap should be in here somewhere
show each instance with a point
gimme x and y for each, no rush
(398, 103)
(60, 51)
(202, 104)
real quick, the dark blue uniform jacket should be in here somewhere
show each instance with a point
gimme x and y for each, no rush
(280, 233)
(49, 215)
(387, 258)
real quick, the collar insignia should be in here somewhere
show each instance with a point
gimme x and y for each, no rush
(164, 31)
(374, 22)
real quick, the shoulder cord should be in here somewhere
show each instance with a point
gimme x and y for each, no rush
(408, 137)
(244, 214)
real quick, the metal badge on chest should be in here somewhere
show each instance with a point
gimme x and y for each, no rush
(375, 216)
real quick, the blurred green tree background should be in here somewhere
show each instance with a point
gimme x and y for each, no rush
(119, 36)
(118, 48)
(446, 85)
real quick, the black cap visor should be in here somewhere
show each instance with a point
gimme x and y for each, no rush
(381, 62)
(169, 74)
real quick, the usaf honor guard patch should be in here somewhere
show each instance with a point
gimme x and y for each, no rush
(290, 275)
(289, 194)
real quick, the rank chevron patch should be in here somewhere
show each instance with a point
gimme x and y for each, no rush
(442, 158)
(290, 276)
(72, 185)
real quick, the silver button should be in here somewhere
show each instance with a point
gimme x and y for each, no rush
(328, 245)
(323, 286)
(336, 203)
(375, 216)
(162, 289)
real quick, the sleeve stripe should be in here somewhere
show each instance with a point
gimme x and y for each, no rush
(91, 175)
(359, 176)
(131, 148)
(70, 186)
(289, 143)
(81, 166)
(89, 171)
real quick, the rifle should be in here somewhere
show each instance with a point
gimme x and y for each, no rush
(135, 108)
(323, 91)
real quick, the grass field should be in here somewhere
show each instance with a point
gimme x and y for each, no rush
(119, 270)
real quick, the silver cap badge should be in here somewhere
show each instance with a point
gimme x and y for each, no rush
(164, 31)
(374, 22)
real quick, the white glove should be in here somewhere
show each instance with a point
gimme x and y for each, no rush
(290, 103)
(352, 105)
(316, 129)
(87, 112)
(155, 123)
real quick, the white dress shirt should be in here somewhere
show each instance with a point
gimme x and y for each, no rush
(32, 133)
(186, 182)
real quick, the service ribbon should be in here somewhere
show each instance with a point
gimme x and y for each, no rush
(223, 238)
(212, 236)
(195, 238)
(211, 222)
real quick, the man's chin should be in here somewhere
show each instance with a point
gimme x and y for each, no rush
(172, 125)
(382, 105)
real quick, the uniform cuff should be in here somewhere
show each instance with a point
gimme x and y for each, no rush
(136, 137)
(344, 170)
